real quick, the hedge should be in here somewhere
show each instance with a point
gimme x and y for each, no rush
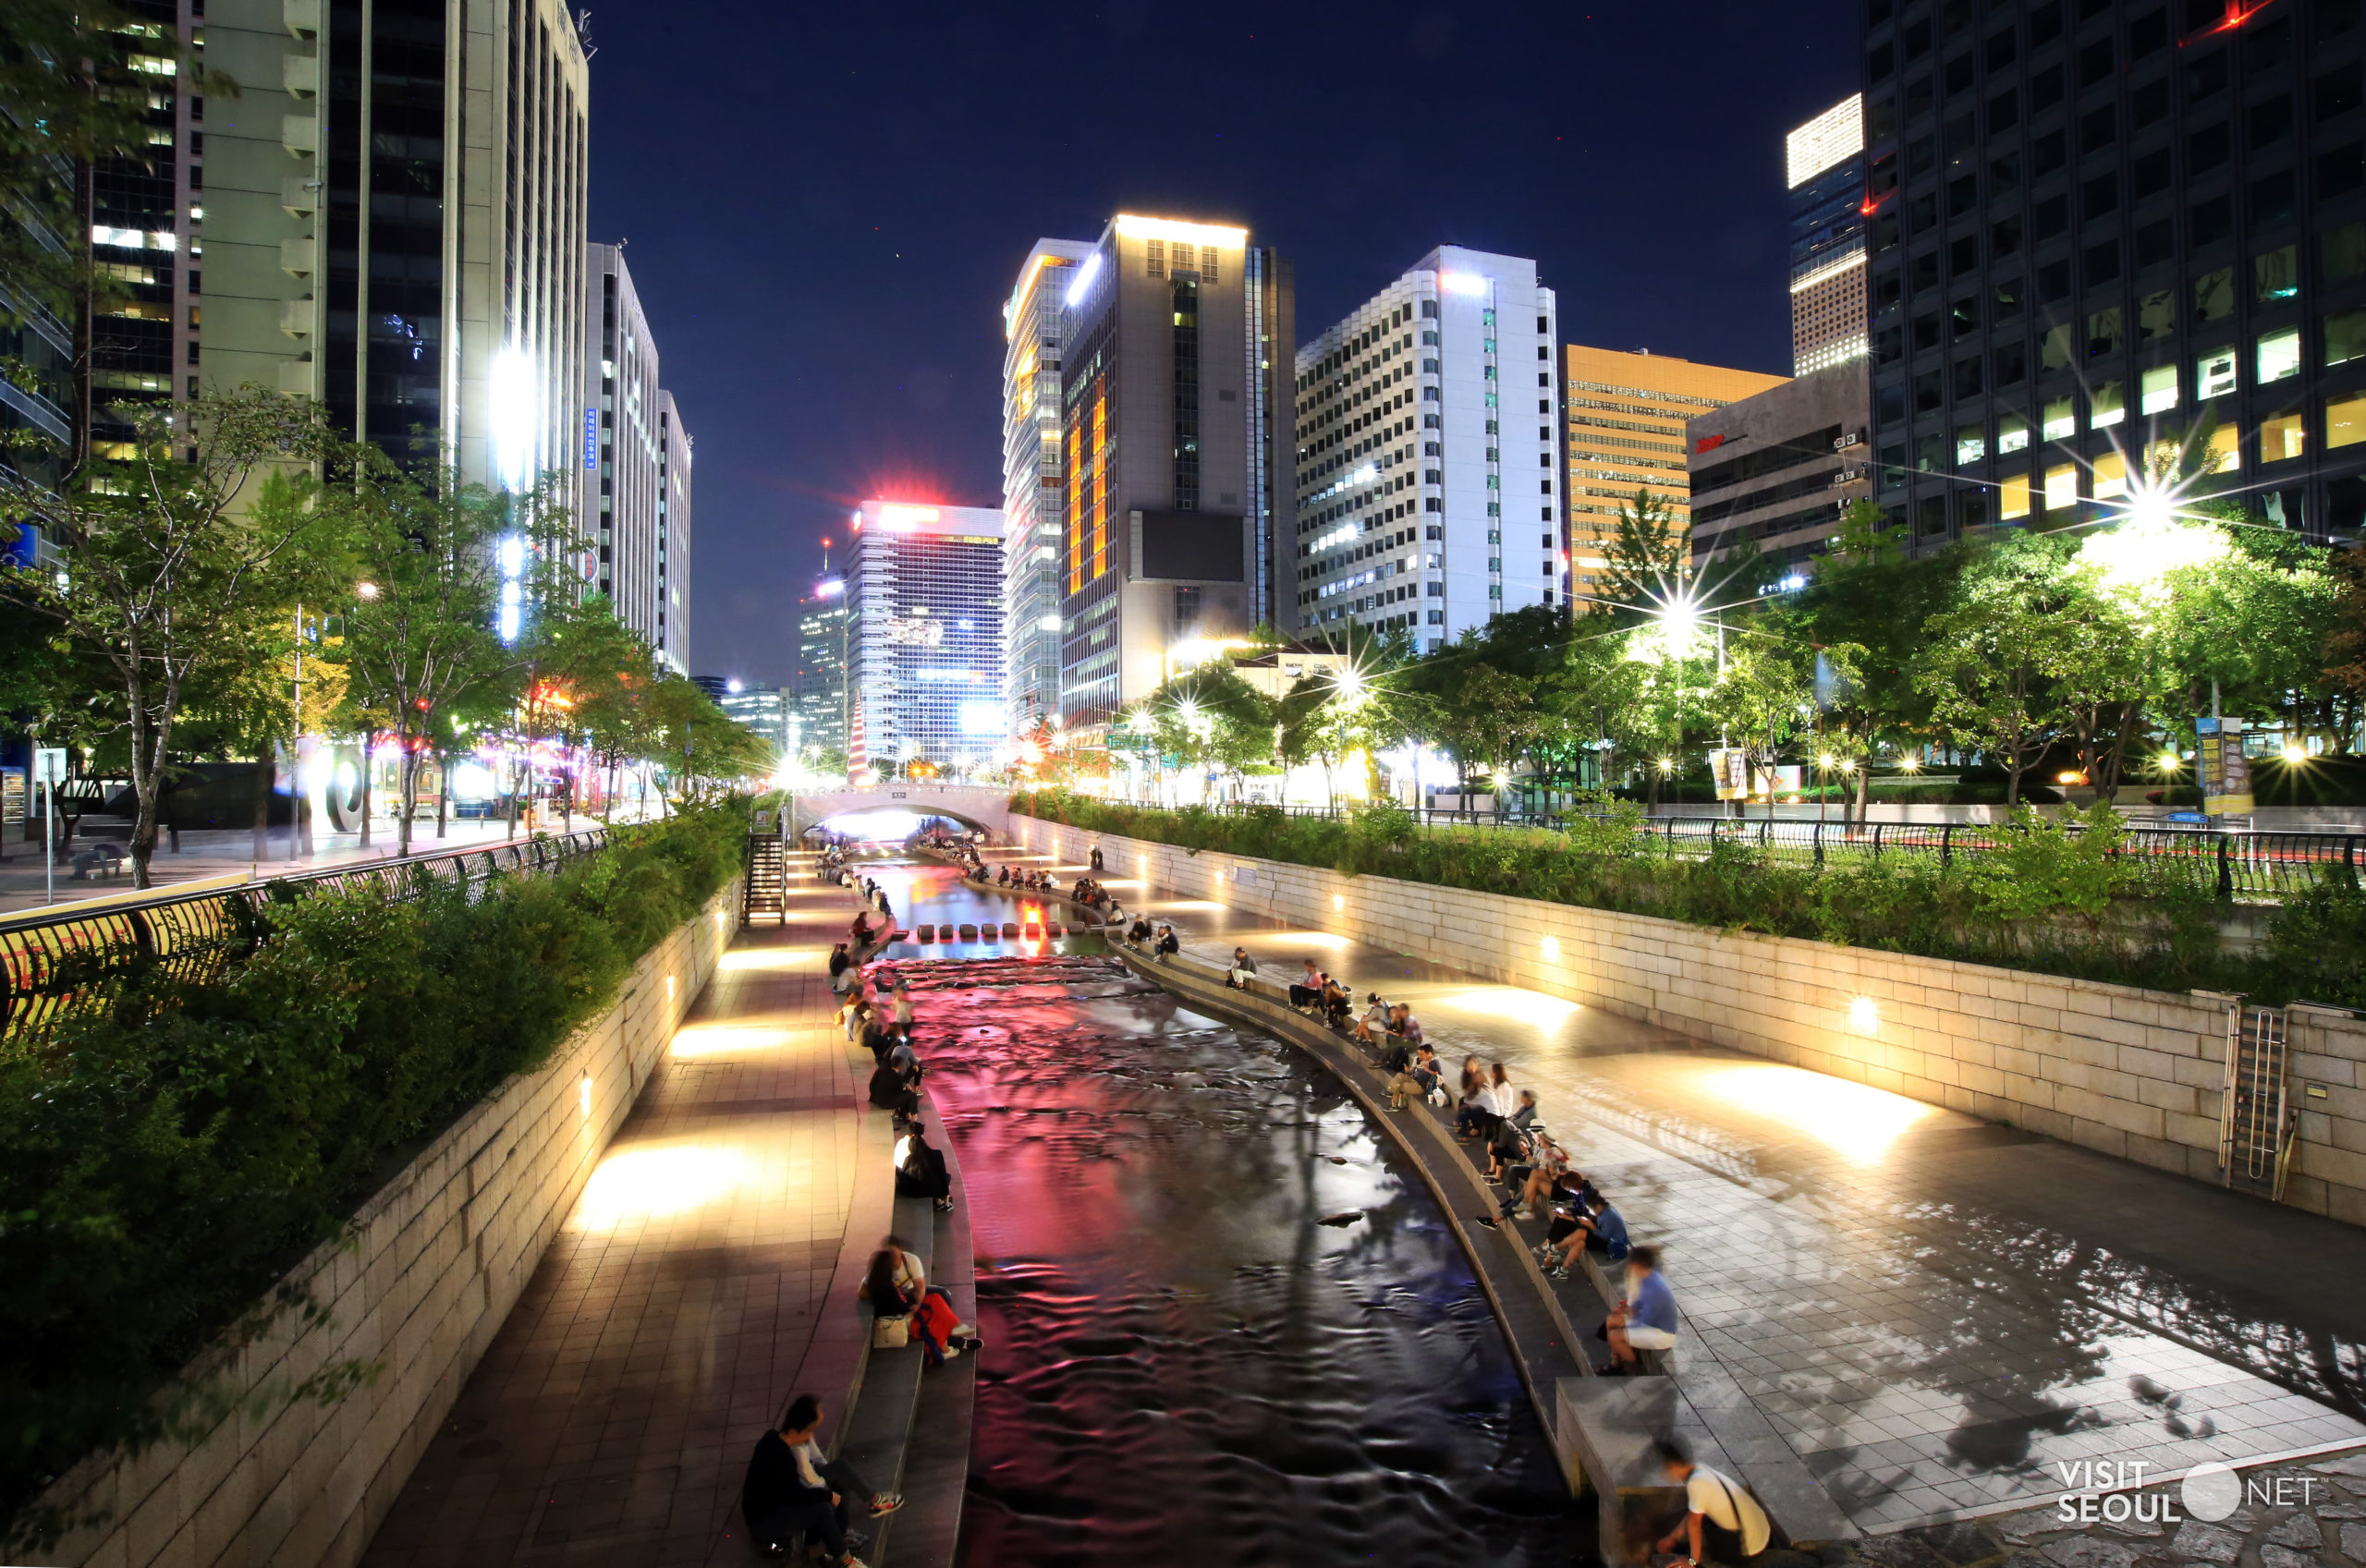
(163, 1162)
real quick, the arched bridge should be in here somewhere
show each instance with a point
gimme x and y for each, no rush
(976, 805)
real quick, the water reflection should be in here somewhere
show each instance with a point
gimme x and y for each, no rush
(1185, 1363)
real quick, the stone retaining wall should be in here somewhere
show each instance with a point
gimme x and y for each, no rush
(2138, 1074)
(439, 1255)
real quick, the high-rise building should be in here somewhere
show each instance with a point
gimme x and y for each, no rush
(821, 637)
(1416, 448)
(393, 213)
(924, 641)
(624, 494)
(1826, 162)
(1625, 433)
(1177, 451)
(1779, 467)
(673, 637)
(1031, 488)
(762, 708)
(2100, 228)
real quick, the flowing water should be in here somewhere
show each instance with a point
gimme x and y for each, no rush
(1225, 1322)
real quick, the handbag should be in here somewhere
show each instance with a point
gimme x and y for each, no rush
(891, 1333)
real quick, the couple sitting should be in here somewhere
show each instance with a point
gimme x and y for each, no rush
(920, 1168)
(792, 1491)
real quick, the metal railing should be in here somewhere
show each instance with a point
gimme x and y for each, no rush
(51, 964)
(2238, 862)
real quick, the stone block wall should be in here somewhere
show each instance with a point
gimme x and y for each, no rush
(437, 1258)
(2133, 1073)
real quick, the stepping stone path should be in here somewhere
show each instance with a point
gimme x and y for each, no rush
(2329, 1531)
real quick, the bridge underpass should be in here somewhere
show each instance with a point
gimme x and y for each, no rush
(975, 806)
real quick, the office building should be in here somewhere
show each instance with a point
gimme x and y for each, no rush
(1416, 450)
(1778, 469)
(821, 689)
(923, 597)
(1176, 454)
(2098, 228)
(764, 710)
(1624, 425)
(452, 314)
(146, 217)
(1033, 526)
(625, 494)
(1826, 162)
(672, 641)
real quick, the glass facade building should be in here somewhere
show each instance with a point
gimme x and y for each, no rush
(1033, 483)
(2101, 226)
(924, 607)
(1826, 162)
(637, 531)
(1177, 447)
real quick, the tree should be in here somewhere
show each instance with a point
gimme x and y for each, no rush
(2103, 666)
(1869, 593)
(1983, 664)
(1649, 556)
(419, 634)
(1768, 689)
(178, 559)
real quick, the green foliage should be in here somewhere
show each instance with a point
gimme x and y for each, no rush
(166, 1159)
(2056, 900)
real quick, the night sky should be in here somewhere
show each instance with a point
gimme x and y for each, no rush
(825, 206)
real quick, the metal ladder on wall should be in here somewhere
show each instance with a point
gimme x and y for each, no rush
(2258, 1119)
(765, 889)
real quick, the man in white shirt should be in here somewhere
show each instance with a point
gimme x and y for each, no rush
(1722, 1522)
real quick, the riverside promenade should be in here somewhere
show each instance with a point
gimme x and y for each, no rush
(704, 1278)
(1936, 1314)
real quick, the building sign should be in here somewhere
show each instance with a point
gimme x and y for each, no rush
(2223, 773)
(1729, 769)
(1707, 443)
(590, 439)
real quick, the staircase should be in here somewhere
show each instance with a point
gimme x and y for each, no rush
(2258, 1118)
(764, 892)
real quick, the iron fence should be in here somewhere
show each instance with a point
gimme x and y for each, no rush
(53, 963)
(2236, 862)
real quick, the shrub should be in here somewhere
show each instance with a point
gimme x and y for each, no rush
(164, 1161)
(2052, 900)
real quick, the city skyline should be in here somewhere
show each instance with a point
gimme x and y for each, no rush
(873, 364)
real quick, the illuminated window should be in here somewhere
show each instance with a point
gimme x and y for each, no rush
(2013, 497)
(2061, 486)
(1972, 443)
(2108, 406)
(2110, 476)
(2279, 355)
(2214, 372)
(2160, 389)
(2012, 435)
(2061, 421)
(2283, 436)
(2345, 336)
(2346, 420)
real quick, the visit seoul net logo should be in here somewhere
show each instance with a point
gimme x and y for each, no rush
(2104, 1491)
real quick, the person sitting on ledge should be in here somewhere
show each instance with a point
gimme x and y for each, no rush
(1723, 1522)
(1243, 970)
(903, 1011)
(1338, 1006)
(1002, 875)
(1138, 932)
(1167, 944)
(1309, 989)
(1588, 1224)
(1475, 1109)
(1510, 1144)
(919, 1169)
(1532, 1187)
(1646, 1320)
(1374, 1026)
(789, 1491)
(1415, 1079)
(841, 961)
(891, 1089)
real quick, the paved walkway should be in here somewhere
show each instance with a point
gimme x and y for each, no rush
(1933, 1311)
(218, 853)
(611, 1419)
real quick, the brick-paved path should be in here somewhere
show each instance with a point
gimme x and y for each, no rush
(610, 1421)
